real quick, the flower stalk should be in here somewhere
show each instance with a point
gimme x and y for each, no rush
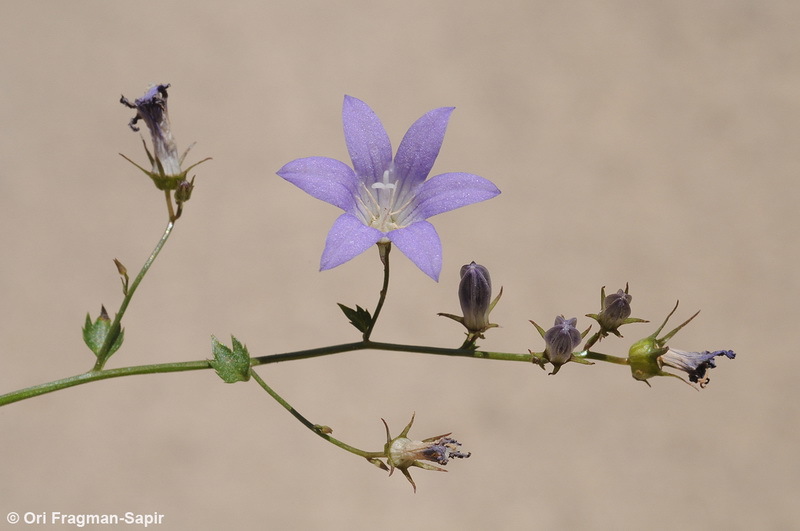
(321, 431)
(129, 290)
(383, 250)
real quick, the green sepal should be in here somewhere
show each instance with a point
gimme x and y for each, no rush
(231, 365)
(456, 318)
(538, 328)
(643, 359)
(160, 179)
(580, 359)
(360, 318)
(95, 334)
(378, 463)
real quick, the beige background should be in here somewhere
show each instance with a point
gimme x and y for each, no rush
(645, 142)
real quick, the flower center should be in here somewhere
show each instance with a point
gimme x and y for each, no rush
(381, 204)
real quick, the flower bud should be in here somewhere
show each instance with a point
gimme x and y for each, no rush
(616, 308)
(184, 191)
(475, 295)
(615, 311)
(561, 340)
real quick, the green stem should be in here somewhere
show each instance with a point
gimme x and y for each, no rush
(113, 332)
(170, 211)
(592, 340)
(94, 375)
(317, 429)
(383, 249)
(394, 347)
(598, 356)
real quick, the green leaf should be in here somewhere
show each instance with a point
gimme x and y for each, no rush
(95, 334)
(360, 318)
(231, 365)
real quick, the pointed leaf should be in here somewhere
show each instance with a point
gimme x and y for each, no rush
(95, 334)
(360, 318)
(231, 365)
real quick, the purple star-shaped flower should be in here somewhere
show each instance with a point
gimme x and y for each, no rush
(385, 199)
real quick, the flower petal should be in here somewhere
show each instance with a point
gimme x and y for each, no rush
(367, 141)
(421, 244)
(449, 191)
(420, 146)
(324, 178)
(347, 239)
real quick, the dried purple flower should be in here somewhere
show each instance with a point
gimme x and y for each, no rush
(165, 171)
(695, 364)
(648, 356)
(152, 109)
(403, 453)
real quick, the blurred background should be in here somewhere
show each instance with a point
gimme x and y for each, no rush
(653, 143)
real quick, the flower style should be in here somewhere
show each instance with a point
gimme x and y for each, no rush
(384, 199)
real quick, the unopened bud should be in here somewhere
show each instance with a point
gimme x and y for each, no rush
(616, 308)
(561, 340)
(184, 191)
(475, 295)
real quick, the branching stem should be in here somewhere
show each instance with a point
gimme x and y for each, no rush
(103, 374)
